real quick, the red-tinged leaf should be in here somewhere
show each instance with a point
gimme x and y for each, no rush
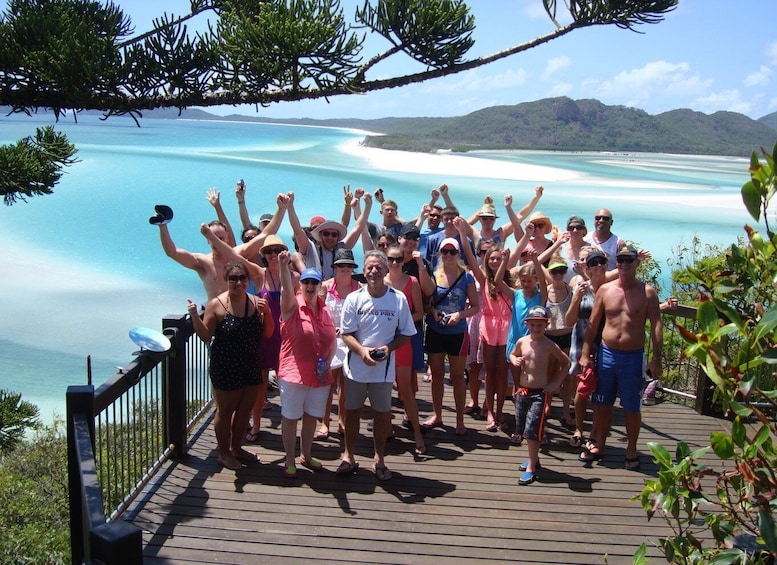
(686, 334)
(755, 162)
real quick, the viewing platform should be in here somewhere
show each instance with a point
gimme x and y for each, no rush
(460, 502)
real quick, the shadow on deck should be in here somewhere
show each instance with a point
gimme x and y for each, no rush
(460, 501)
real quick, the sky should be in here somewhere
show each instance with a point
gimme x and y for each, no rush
(707, 55)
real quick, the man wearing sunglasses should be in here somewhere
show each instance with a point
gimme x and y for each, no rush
(625, 305)
(602, 238)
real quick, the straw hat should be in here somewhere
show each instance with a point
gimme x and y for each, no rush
(540, 217)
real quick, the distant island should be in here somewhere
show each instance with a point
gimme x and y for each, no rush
(552, 124)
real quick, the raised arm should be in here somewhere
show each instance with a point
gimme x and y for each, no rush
(522, 243)
(361, 223)
(472, 262)
(446, 197)
(538, 268)
(240, 194)
(296, 227)
(348, 198)
(525, 211)
(288, 294)
(253, 247)
(548, 253)
(186, 258)
(230, 254)
(214, 197)
(499, 277)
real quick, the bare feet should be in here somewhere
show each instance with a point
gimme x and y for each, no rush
(230, 462)
(244, 455)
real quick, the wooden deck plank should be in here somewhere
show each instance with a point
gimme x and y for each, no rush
(462, 501)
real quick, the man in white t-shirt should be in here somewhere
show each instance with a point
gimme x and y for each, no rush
(376, 320)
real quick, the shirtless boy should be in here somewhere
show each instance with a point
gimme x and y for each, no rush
(542, 366)
(626, 305)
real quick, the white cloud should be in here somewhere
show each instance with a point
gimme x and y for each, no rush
(556, 64)
(560, 89)
(474, 81)
(729, 100)
(771, 53)
(760, 77)
(772, 104)
(658, 77)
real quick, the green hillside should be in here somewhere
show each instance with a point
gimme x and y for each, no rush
(563, 124)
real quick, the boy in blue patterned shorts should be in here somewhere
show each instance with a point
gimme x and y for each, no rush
(536, 359)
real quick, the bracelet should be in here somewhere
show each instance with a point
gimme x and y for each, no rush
(241, 201)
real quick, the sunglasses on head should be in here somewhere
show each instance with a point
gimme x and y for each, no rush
(598, 262)
(237, 278)
(625, 259)
(327, 233)
(448, 251)
(603, 218)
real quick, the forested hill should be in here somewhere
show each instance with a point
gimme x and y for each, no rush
(562, 124)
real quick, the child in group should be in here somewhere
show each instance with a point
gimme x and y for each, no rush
(540, 368)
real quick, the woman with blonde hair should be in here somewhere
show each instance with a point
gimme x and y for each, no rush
(454, 300)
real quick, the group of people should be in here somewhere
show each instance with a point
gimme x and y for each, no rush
(562, 310)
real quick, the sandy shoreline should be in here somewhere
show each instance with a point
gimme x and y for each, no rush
(461, 165)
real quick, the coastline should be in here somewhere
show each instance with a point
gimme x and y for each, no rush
(462, 165)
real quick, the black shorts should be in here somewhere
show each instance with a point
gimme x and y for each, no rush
(564, 341)
(450, 344)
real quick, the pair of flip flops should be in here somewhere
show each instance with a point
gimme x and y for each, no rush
(589, 456)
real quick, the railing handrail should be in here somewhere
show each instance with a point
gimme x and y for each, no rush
(93, 537)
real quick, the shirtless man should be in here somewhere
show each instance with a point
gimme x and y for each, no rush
(209, 267)
(626, 305)
(542, 367)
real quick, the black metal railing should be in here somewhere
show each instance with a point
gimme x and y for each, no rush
(121, 434)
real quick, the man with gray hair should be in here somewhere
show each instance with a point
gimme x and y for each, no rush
(375, 321)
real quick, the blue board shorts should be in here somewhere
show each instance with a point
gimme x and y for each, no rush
(620, 374)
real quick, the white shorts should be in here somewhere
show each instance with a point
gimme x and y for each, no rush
(297, 399)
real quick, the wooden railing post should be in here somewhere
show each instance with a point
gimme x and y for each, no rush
(174, 387)
(78, 399)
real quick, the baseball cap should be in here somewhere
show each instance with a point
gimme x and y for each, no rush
(595, 254)
(310, 273)
(408, 229)
(537, 313)
(627, 251)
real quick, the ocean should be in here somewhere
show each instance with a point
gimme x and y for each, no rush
(81, 267)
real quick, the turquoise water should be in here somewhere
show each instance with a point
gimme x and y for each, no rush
(83, 266)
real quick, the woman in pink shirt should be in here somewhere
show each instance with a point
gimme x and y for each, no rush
(304, 377)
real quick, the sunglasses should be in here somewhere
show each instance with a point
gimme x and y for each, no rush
(327, 233)
(603, 218)
(395, 259)
(482, 252)
(237, 278)
(273, 250)
(625, 259)
(575, 228)
(559, 271)
(539, 225)
(381, 245)
(309, 281)
(346, 266)
(597, 262)
(448, 252)
(434, 215)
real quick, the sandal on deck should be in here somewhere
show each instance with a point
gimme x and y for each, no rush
(632, 463)
(576, 440)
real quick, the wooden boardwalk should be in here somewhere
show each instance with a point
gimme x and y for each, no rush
(461, 501)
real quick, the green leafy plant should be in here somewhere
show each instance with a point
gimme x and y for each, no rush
(16, 417)
(722, 511)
